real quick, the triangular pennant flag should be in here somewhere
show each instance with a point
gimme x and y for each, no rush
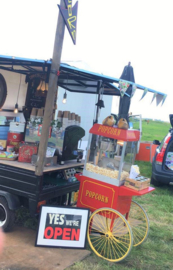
(70, 18)
(68, 2)
(153, 97)
(145, 92)
(123, 87)
(159, 98)
(164, 97)
(133, 90)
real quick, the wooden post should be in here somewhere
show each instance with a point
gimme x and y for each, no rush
(52, 88)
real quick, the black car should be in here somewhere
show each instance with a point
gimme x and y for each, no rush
(162, 165)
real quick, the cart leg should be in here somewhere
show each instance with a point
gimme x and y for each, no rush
(90, 226)
(112, 224)
(127, 215)
(69, 199)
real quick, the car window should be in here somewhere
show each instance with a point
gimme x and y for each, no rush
(161, 144)
(170, 149)
(169, 157)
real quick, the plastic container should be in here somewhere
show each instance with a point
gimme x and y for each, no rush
(17, 127)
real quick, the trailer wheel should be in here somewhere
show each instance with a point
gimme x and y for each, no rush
(7, 216)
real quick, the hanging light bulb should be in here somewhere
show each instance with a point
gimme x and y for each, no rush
(16, 108)
(64, 98)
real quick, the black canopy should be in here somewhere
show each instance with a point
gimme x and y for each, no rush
(71, 78)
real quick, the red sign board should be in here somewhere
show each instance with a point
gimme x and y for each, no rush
(115, 133)
(95, 194)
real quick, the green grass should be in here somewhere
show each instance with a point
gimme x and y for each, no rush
(23, 218)
(155, 130)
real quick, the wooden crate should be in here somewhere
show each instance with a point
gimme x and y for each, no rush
(137, 185)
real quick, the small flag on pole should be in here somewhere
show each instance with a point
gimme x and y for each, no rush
(123, 87)
(70, 18)
(145, 92)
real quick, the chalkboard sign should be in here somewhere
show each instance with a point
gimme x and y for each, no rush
(33, 100)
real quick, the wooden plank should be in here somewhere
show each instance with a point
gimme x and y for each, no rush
(28, 166)
(67, 165)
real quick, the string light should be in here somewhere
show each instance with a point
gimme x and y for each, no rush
(64, 98)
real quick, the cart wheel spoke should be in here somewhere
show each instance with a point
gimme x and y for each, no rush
(139, 223)
(109, 234)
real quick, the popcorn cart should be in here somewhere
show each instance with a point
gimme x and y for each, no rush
(116, 223)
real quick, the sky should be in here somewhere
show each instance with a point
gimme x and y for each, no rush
(109, 35)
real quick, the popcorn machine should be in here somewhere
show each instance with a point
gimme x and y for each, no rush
(110, 154)
(117, 223)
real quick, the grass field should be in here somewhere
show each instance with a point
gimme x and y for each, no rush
(157, 252)
(155, 130)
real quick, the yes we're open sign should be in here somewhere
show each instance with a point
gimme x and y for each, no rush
(62, 227)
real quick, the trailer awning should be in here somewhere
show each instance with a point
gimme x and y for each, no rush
(71, 78)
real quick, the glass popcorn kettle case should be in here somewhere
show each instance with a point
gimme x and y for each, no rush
(110, 153)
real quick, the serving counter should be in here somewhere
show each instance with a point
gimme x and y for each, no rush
(30, 167)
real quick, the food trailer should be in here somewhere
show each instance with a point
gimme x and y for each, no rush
(19, 182)
(20, 133)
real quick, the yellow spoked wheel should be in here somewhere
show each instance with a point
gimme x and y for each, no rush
(139, 223)
(109, 234)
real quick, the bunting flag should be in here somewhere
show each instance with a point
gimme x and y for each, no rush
(164, 97)
(133, 90)
(145, 92)
(70, 18)
(153, 97)
(123, 87)
(159, 98)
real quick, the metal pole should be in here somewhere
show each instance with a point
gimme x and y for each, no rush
(99, 84)
(52, 89)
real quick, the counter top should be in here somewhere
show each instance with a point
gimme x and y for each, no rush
(28, 166)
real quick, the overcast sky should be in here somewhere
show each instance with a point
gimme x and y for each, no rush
(109, 35)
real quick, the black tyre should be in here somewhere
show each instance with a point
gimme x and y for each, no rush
(155, 183)
(7, 216)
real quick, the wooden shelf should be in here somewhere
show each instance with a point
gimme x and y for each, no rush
(28, 166)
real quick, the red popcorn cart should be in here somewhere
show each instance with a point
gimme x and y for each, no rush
(117, 222)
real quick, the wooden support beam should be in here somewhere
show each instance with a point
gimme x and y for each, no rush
(52, 89)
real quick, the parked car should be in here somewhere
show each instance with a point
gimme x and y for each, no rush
(162, 164)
